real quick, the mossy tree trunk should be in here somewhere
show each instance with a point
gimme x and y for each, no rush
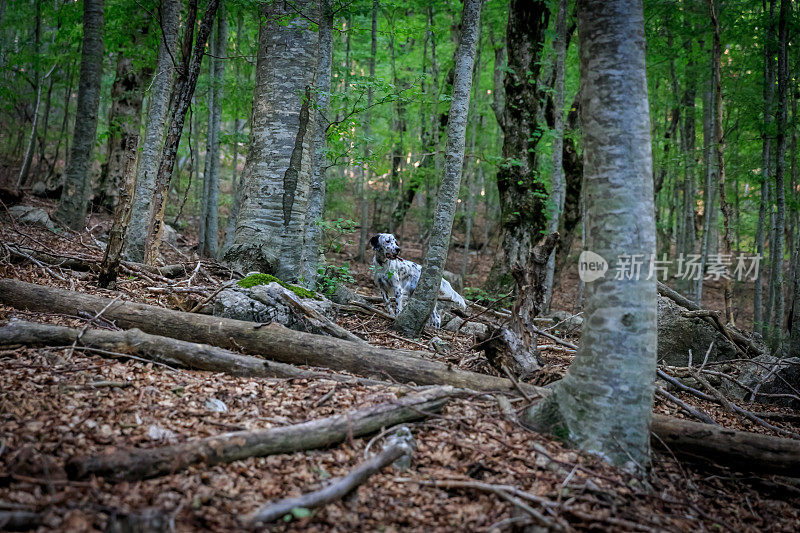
(604, 403)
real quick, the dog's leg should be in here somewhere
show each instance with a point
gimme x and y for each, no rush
(388, 302)
(401, 297)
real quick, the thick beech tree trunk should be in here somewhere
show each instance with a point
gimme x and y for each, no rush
(77, 176)
(157, 107)
(312, 238)
(180, 101)
(604, 403)
(412, 318)
(277, 173)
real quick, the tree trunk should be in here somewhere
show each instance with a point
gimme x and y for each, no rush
(77, 176)
(180, 101)
(37, 39)
(719, 143)
(572, 213)
(137, 463)
(475, 167)
(604, 403)
(124, 121)
(780, 169)
(273, 342)
(312, 239)
(558, 185)
(276, 176)
(709, 208)
(688, 144)
(412, 318)
(366, 173)
(209, 247)
(109, 268)
(236, 183)
(157, 107)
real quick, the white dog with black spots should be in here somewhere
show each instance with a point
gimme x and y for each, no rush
(398, 277)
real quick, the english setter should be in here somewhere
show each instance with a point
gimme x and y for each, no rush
(399, 277)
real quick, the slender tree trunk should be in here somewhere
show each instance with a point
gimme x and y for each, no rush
(37, 40)
(572, 214)
(276, 176)
(236, 183)
(604, 403)
(412, 318)
(558, 185)
(709, 209)
(181, 99)
(77, 176)
(688, 142)
(62, 136)
(316, 199)
(766, 163)
(42, 160)
(210, 246)
(109, 268)
(157, 107)
(719, 140)
(780, 170)
(366, 172)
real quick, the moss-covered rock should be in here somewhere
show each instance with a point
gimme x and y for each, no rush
(258, 278)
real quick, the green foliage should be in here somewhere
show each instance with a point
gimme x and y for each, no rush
(265, 279)
(330, 277)
(334, 232)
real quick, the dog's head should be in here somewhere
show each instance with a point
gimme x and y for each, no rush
(385, 246)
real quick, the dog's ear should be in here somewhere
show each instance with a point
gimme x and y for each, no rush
(374, 242)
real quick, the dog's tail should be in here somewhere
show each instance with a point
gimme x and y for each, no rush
(458, 301)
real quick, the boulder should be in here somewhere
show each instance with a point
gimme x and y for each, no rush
(36, 216)
(470, 328)
(772, 376)
(678, 334)
(266, 304)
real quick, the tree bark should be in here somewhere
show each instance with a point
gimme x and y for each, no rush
(366, 172)
(134, 464)
(276, 176)
(740, 450)
(558, 184)
(157, 107)
(236, 183)
(37, 82)
(522, 193)
(163, 350)
(312, 238)
(77, 176)
(124, 121)
(180, 101)
(719, 144)
(109, 267)
(209, 246)
(273, 341)
(412, 318)
(604, 403)
(776, 340)
(572, 213)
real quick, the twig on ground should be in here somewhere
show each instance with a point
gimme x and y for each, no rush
(703, 417)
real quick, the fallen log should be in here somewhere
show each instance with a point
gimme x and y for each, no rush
(740, 450)
(144, 463)
(398, 446)
(162, 350)
(272, 341)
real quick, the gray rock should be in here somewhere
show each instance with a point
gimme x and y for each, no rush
(772, 376)
(344, 295)
(454, 279)
(678, 334)
(265, 304)
(170, 235)
(36, 216)
(470, 328)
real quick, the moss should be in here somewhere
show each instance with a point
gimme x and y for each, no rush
(265, 279)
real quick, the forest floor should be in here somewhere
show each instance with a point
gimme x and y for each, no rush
(50, 411)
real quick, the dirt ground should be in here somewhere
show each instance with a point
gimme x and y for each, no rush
(50, 411)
